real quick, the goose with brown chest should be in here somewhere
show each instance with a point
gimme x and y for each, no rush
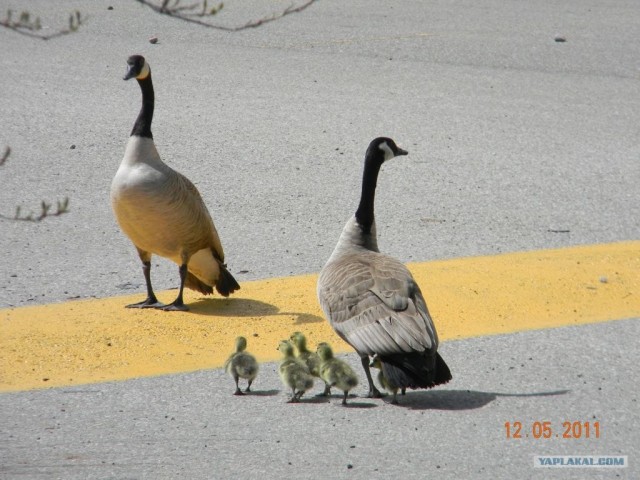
(162, 212)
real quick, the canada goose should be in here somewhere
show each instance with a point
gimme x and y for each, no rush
(335, 372)
(162, 212)
(372, 301)
(376, 363)
(311, 359)
(293, 372)
(241, 364)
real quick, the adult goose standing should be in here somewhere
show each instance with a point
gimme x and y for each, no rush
(162, 212)
(372, 301)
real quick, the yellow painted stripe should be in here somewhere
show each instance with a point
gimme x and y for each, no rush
(99, 340)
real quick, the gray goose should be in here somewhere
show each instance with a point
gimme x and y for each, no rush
(162, 212)
(372, 301)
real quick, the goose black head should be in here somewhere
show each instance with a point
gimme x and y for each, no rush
(383, 149)
(137, 67)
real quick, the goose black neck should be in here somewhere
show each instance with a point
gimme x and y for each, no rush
(365, 214)
(142, 126)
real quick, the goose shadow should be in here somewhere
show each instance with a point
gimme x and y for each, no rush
(262, 393)
(352, 404)
(245, 307)
(337, 400)
(460, 399)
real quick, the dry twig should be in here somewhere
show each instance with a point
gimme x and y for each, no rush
(25, 24)
(176, 11)
(45, 208)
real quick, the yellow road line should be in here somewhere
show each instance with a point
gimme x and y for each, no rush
(99, 340)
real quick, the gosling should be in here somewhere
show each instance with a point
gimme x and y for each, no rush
(335, 372)
(311, 359)
(242, 364)
(293, 372)
(384, 382)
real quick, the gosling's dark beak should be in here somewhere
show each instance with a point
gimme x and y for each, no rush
(130, 73)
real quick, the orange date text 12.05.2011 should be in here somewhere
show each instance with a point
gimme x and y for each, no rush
(517, 429)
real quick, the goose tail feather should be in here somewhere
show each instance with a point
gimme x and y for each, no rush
(194, 283)
(226, 284)
(415, 370)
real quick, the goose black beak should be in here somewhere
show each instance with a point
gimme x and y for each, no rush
(130, 73)
(401, 152)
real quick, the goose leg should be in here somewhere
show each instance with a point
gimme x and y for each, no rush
(151, 301)
(373, 391)
(248, 389)
(178, 304)
(344, 399)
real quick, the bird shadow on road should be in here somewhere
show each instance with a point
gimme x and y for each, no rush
(460, 399)
(232, 307)
(263, 393)
(245, 307)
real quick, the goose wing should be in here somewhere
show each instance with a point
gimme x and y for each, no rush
(375, 305)
(201, 224)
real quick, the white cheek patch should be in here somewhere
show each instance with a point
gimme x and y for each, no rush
(388, 153)
(144, 73)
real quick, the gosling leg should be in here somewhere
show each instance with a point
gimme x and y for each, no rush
(238, 391)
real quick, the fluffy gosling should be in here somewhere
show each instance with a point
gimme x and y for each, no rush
(335, 372)
(293, 372)
(382, 380)
(241, 364)
(311, 359)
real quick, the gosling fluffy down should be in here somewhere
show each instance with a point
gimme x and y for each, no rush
(335, 372)
(388, 385)
(310, 359)
(242, 364)
(293, 373)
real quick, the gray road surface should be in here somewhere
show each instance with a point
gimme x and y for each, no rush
(512, 136)
(191, 426)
